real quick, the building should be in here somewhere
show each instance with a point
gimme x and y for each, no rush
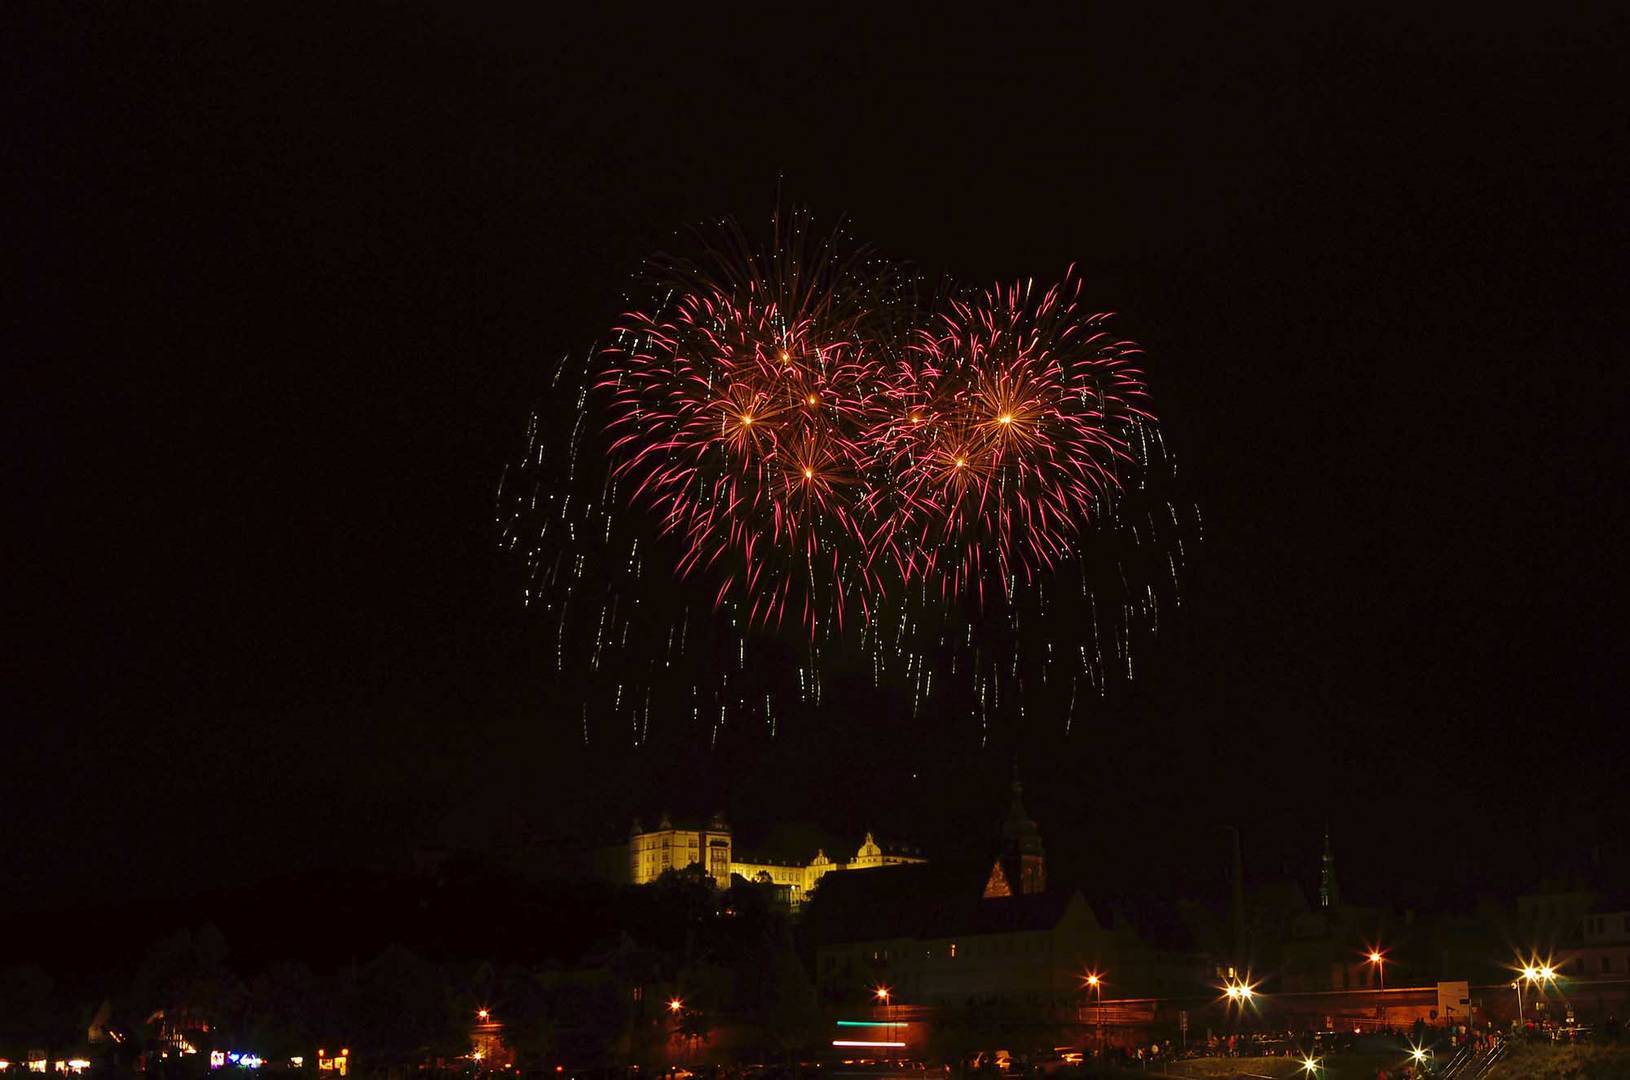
(1604, 944)
(934, 937)
(653, 852)
(1021, 867)
(1317, 948)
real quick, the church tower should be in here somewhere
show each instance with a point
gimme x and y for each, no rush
(1021, 868)
(1328, 896)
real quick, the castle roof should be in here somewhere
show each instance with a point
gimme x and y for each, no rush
(923, 901)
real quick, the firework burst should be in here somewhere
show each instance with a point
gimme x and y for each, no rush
(791, 432)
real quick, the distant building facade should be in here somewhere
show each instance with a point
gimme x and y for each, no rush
(653, 852)
(1604, 944)
(934, 937)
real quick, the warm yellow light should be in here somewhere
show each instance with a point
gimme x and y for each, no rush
(1375, 958)
(916, 419)
(1530, 973)
(809, 474)
(1418, 1054)
(1547, 973)
(1005, 418)
(746, 420)
(786, 357)
(482, 1013)
(674, 1005)
(812, 399)
(1092, 980)
(882, 993)
(961, 462)
(1310, 1064)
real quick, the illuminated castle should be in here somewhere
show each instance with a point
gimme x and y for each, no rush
(710, 846)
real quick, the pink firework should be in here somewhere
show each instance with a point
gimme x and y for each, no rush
(816, 449)
(734, 412)
(1025, 404)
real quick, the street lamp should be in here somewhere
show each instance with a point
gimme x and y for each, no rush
(676, 1009)
(1533, 974)
(882, 995)
(1240, 993)
(1095, 983)
(483, 1015)
(1378, 960)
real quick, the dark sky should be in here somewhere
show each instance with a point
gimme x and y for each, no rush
(290, 283)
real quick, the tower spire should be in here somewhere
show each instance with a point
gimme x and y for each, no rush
(1021, 864)
(1328, 896)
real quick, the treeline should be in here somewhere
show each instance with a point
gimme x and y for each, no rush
(580, 975)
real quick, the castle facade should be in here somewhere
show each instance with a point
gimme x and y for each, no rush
(711, 846)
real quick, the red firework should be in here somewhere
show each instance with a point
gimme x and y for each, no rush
(755, 412)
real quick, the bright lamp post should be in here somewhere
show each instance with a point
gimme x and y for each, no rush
(676, 1009)
(1534, 975)
(1378, 960)
(882, 995)
(1095, 983)
(1239, 992)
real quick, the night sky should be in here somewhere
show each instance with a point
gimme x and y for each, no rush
(289, 284)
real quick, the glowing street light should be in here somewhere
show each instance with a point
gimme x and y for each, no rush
(1095, 983)
(1239, 992)
(483, 1015)
(675, 1005)
(1379, 960)
(1310, 1065)
(1534, 974)
(882, 995)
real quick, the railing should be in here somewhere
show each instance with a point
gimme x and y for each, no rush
(1463, 1059)
(1470, 1063)
(1489, 1059)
